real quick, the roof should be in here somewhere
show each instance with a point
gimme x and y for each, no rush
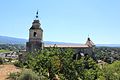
(67, 45)
(36, 28)
(36, 25)
(90, 43)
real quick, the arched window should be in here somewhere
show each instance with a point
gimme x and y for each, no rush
(35, 34)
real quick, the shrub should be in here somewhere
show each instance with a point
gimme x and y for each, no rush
(28, 75)
(18, 64)
(14, 76)
(112, 71)
(1, 60)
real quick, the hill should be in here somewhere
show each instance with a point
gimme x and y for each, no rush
(108, 45)
(12, 40)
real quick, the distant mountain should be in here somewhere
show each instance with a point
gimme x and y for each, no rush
(12, 40)
(108, 45)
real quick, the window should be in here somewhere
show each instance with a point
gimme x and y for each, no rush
(35, 34)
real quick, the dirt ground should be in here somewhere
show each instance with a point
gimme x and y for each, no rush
(6, 69)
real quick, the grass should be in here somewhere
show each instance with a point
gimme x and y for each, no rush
(3, 50)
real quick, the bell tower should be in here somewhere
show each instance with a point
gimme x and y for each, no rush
(35, 36)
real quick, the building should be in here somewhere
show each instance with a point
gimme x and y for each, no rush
(36, 41)
(35, 36)
(10, 54)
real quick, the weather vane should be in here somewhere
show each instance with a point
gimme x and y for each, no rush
(37, 14)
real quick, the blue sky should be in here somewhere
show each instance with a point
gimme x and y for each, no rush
(63, 20)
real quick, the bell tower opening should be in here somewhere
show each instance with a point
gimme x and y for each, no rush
(35, 34)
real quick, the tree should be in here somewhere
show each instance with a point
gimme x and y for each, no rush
(57, 61)
(112, 71)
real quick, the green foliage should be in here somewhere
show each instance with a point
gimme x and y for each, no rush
(13, 76)
(28, 75)
(56, 61)
(112, 71)
(18, 64)
(3, 50)
(11, 47)
(59, 61)
(107, 54)
(1, 60)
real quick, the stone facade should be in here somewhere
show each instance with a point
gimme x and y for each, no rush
(35, 37)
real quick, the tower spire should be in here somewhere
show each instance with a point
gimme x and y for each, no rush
(89, 38)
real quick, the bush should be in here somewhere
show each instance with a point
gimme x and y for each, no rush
(14, 76)
(112, 71)
(18, 64)
(1, 60)
(28, 75)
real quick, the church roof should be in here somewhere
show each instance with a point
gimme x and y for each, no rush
(89, 43)
(36, 28)
(36, 25)
(67, 45)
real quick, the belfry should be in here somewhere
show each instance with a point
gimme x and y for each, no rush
(35, 42)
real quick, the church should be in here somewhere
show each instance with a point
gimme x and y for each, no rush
(36, 43)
